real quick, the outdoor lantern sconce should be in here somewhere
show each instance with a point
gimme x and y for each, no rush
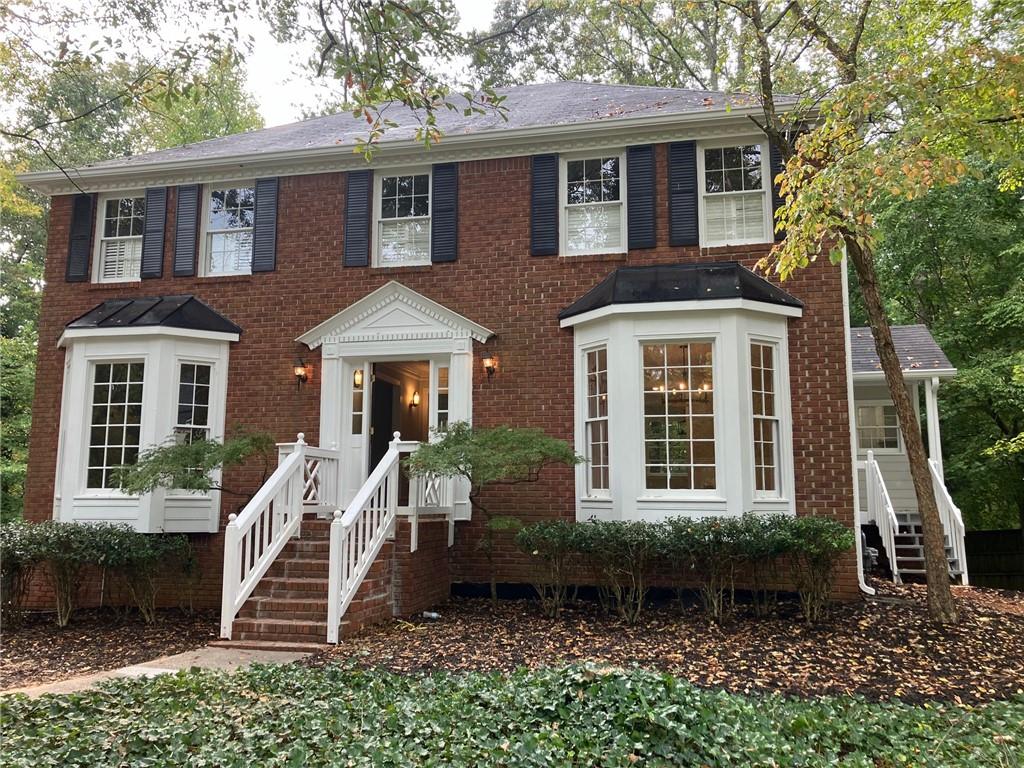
(490, 365)
(415, 402)
(357, 378)
(301, 371)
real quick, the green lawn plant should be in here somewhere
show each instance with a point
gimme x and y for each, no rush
(552, 543)
(18, 562)
(815, 548)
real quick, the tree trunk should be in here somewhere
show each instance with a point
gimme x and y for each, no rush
(940, 597)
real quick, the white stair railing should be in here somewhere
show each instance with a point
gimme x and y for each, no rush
(881, 512)
(255, 536)
(322, 474)
(952, 520)
(358, 534)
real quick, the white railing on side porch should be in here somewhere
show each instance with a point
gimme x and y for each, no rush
(881, 513)
(952, 520)
(322, 473)
(358, 534)
(255, 536)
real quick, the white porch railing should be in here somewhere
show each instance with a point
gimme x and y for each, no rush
(880, 511)
(255, 537)
(322, 473)
(358, 534)
(952, 520)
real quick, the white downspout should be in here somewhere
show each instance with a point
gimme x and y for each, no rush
(853, 430)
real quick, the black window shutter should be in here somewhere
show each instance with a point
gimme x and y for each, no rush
(776, 167)
(682, 193)
(186, 228)
(544, 206)
(640, 191)
(264, 226)
(83, 208)
(357, 219)
(444, 216)
(153, 233)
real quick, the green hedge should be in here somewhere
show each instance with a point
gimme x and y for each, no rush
(62, 551)
(290, 715)
(621, 556)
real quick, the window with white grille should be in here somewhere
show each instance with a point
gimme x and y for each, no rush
(679, 416)
(878, 428)
(119, 245)
(442, 397)
(403, 220)
(734, 195)
(192, 421)
(763, 390)
(593, 213)
(115, 421)
(229, 223)
(596, 420)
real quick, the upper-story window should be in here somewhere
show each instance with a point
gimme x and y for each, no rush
(593, 207)
(403, 219)
(228, 227)
(734, 195)
(119, 239)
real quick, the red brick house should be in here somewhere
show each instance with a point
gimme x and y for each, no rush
(584, 267)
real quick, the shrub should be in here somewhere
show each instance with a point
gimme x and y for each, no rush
(138, 559)
(765, 539)
(712, 547)
(64, 549)
(621, 554)
(18, 561)
(815, 545)
(554, 542)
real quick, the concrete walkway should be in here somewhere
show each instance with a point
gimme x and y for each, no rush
(209, 657)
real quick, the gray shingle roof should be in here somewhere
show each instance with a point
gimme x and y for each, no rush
(679, 282)
(167, 311)
(529, 106)
(917, 349)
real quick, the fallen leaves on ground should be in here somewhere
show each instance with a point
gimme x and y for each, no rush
(39, 651)
(880, 648)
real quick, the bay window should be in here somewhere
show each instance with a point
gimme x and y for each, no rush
(734, 195)
(596, 424)
(765, 412)
(593, 205)
(120, 225)
(115, 421)
(403, 219)
(192, 421)
(228, 230)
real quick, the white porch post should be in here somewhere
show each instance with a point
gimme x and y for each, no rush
(931, 400)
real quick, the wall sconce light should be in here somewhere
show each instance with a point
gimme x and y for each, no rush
(301, 371)
(415, 402)
(357, 378)
(490, 365)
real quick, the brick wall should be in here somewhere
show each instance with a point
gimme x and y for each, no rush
(495, 282)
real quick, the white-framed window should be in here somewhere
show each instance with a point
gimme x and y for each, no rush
(402, 209)
(228, 212)
(679, 415)
(764, 389)
(734, 180)
(593, 199)
(595, 423)
(878, 428)
(192, 419)
(115, 420)
(119, 227)
(442, 396)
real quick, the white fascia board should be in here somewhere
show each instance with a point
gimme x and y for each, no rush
(483, 145)
(73, 334)
(912, 374)
(712, 305)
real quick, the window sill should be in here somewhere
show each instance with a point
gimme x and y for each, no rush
(736, 244)
(683, 496)
(594, 257)
(402, 269)
(115, 286)
(224, 279)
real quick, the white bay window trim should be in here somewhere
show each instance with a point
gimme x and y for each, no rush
(401, 241)
(780, 420)
(117, 258)
(162, 356)
(734, 203)
(609, 215)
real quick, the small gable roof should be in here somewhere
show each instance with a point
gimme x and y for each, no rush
(917, 349)
(679, 282)
(184, 312)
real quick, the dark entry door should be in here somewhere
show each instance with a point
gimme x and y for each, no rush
(381, 422)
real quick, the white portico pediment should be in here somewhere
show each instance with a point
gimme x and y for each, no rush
(393, 313)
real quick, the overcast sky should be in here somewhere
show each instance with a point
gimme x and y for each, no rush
(276, 80)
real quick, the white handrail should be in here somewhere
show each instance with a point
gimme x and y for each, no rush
(255, 537)
(358, 534)
(322, 473)
(881, 512)
(952, 520)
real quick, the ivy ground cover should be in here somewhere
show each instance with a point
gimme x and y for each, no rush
(567, 716)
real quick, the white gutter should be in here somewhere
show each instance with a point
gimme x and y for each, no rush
(909, 374)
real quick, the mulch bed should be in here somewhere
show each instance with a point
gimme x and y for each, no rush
(879, 648)
(40, 652)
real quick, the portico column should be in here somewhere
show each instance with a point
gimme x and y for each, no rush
(931, 401)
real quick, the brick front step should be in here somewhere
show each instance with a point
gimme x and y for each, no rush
(284, 608)
(299, 568)
(291, 586)
(279, 629)
(272, 645)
